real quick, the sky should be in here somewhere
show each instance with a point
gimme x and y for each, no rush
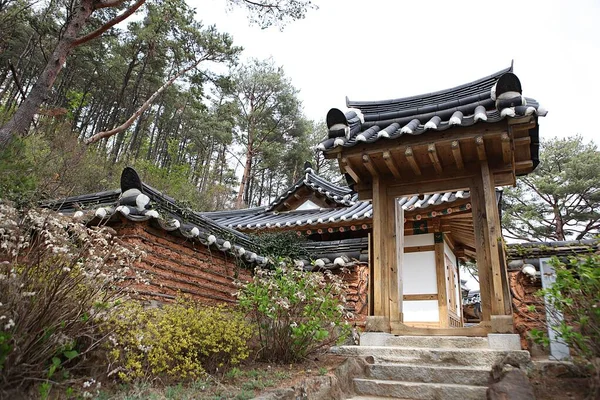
(382, 49)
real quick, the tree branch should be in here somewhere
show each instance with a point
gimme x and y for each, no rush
(144, 107)
(92, 35)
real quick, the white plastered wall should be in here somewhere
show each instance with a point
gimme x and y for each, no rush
(418, 277)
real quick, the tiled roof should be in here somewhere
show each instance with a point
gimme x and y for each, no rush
(489, 99)
(148, 204)
(255, 219)
(340, 195)
(164, 212)
(562, 249)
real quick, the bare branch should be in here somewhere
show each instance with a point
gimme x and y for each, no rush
(144, 107)
(92, 35)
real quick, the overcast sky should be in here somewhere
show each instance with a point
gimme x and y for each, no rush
(381, 49)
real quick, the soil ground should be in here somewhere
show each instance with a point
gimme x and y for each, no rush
(240, 383)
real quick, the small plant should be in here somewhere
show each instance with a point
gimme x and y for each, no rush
(574, 299)
(297, 313)
(180, 341)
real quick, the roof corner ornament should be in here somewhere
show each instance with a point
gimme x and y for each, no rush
(507, 92)
(131, 190)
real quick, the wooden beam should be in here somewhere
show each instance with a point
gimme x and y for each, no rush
(458, 159)
(413, 297)
(431, 186)
(391, 164)
(347, 168)
(408, 153)
(418, 249)
(480, 148)
(368, 163)
(506, 148)
(433, 156)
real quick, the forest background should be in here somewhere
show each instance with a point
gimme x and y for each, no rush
(194, 133)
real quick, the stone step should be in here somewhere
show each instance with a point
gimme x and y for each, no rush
(418, 391)
(474, 376)
(387, 339)
(467, 357)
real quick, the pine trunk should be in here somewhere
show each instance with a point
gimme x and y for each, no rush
(40, 92)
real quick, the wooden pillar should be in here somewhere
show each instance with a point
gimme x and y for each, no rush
(481, 250)
(488, 237)
(442, 281)
(380, 287)
(495, 239)
(391, 258)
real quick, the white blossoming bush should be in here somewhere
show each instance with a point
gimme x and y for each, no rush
(59, 280)
(297, 313)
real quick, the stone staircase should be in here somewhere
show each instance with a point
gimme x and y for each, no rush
(427, 367)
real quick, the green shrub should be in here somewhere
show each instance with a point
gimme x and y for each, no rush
(282, 244)
(180, 341)
(297, 313)
(58, 281)
(576, 297)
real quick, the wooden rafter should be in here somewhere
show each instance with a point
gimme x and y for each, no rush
(347, 168)
(480, 148)
(433, 156)
(458, 159)
(368, 163)
(408, 153)
(391, 164)
(506, 149)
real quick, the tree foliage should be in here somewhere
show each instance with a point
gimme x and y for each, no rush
(183, 142)
(560, 200)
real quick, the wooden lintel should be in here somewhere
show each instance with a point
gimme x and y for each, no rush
(347, 168)
(433, 156)
(480, 148)
(368, 163)
(408, 153)
(391, 164)
(457, 155)
(431, 186)
(506, 148)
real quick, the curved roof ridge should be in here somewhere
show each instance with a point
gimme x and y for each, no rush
(478, 86)
(309, 178)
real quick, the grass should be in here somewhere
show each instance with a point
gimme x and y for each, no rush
(235, 384)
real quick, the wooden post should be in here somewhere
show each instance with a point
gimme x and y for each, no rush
(495, 239)
(391, 258)
(380, 300)
(481, 250)
(442, 281)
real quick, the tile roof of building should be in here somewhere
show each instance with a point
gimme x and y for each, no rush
(340, 195)
(489, 99)
(263, 219)
(161, 210)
